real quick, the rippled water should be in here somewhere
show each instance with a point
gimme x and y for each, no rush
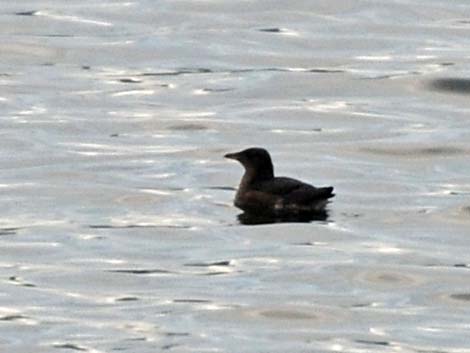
(117, 230)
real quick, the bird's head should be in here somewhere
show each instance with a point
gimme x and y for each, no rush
(256, 161)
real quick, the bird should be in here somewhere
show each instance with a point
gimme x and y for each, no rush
(261, 193)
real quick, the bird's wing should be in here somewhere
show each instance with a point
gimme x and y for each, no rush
(279, 186)
(308, 194)
(294, 191)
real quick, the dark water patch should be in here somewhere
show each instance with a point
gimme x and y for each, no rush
(451, 85)
(416, 152)
(129, 80)
(466, 210)
(389, 279)
(208, 264)
(55, 35)
(188, 127)
(255, 219)
(126, 299)
(28, 285)
(15, 317)
(8, 231)
(167, 347)
(182, 71)
(137, 339)
(391, 76)
(19, 282)
(224, 188)
(361, 305)
(174, 188)
(271, 30)
(130, 226)
(214, 273)
(462, 265)
(326, 71)
(192, 301)
(351, 215)
(217, 90)
(308, 243)
(287, 315)
(200, 70)
(439, 265)
(70, 346)
(189, 71)
(177, 334)
(459, 193)
(375, 343)
(461, 297)
(142, 271)
(440, 151)
(278, 69)
(27, 13)
(266, 69)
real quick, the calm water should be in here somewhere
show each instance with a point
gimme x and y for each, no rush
(118, 232)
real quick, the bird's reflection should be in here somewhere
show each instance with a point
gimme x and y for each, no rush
(247, 218)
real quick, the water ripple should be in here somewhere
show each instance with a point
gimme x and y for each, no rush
(70, 18)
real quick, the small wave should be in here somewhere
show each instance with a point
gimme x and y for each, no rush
(208, 264)
(70, 18)
(142, 271)
(415, 152)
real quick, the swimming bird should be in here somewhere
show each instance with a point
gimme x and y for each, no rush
(261, 193)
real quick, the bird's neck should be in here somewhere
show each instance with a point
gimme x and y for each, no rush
(253, 176)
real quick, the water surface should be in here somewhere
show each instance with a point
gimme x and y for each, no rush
(117, 229)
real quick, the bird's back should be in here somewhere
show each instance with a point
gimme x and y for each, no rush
(286, 195)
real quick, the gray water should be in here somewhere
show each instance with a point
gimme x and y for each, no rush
(118, 232)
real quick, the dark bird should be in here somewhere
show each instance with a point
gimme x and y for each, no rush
(261, 193)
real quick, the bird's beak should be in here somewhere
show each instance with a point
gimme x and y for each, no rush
(235, 156)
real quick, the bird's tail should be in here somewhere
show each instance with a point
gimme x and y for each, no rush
(325, 193)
